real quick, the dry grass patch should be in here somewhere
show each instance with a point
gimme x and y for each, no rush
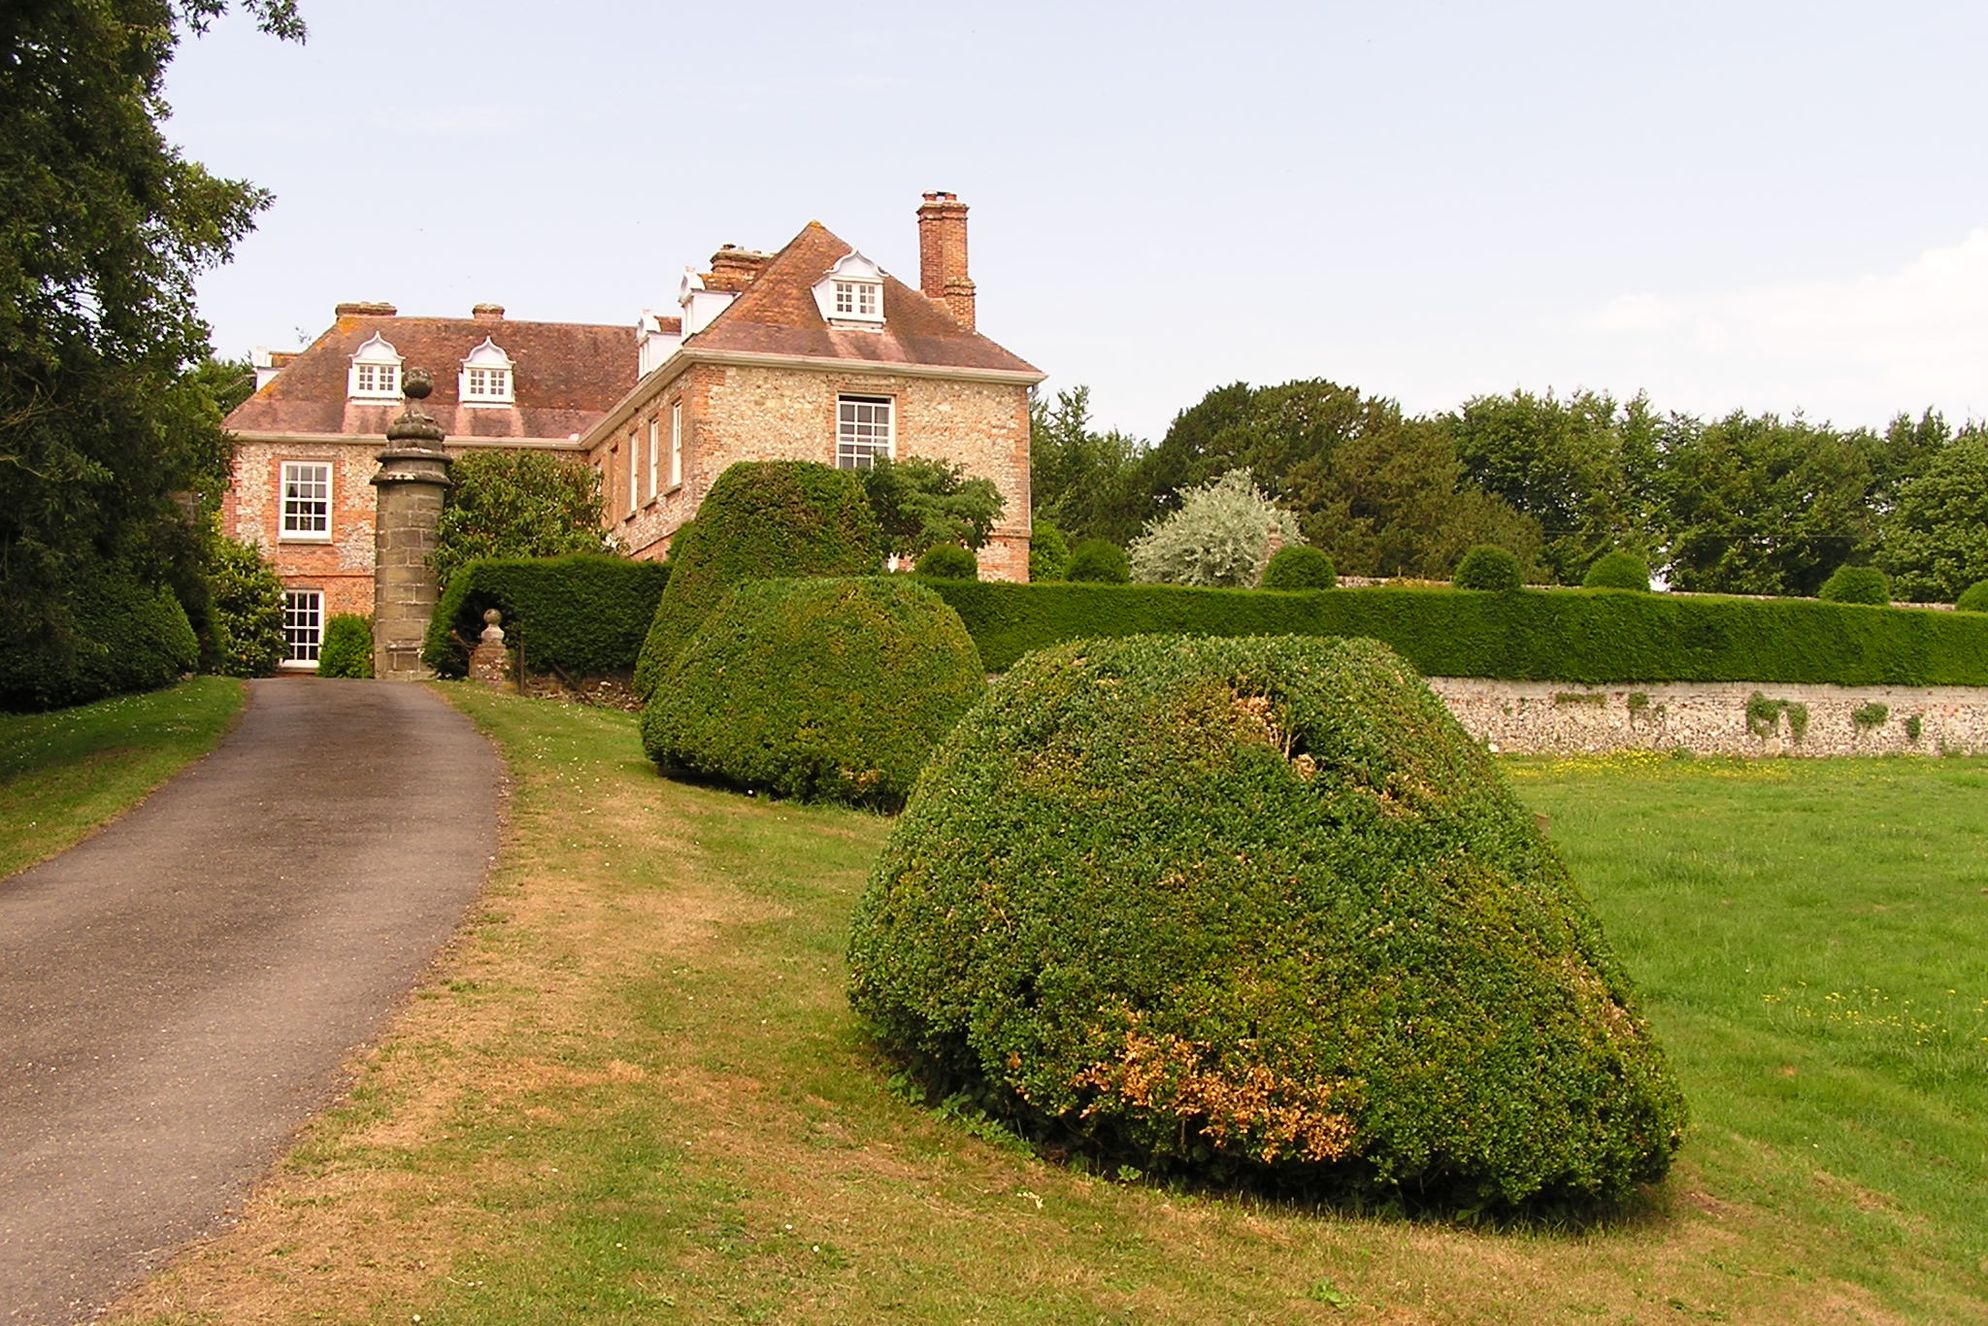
(633, 1092)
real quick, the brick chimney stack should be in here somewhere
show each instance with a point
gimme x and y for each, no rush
(942, 255)
(734, 268)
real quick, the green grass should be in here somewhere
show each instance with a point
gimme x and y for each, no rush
(635, 1093)
(65, 773)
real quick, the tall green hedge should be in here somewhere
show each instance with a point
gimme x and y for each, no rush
(1533, 635)
(761, 520)
(584, 615)
(129, 636)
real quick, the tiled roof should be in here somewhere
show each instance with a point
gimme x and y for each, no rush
(777, 314)
(566, 376)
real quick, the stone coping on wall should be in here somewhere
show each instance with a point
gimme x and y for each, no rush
(1718, 718)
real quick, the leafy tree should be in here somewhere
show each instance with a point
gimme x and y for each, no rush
(1049, 551)
(103, 228)
(1099, 561)
(247, 635)
(519, 504)
(920, 502)
(1086, 482)
(1221, 535)
(1757, 504)
(1935, 542)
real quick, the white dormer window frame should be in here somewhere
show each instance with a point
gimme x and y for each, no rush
(488, 376)
(375, 374)
(851, 293)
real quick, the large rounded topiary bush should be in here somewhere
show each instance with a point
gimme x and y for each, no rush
(1620, 569)
(1297, 566)
(1258, 909)
(760, 520)
(948, 561)
(1487, 566)
(1974, 598)
(1856, 584)
(821, 689)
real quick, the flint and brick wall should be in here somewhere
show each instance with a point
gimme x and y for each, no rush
(252, 510)
(733, 413)
(1710, 718)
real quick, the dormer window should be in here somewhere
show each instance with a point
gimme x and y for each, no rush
(375, 372)
(486, 376)
(851, 293)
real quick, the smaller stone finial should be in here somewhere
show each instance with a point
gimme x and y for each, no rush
(493, 629)
(415, 427)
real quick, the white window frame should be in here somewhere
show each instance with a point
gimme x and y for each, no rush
(486, 377)
(634, 458)
(655, 454)
(865, 427)
(304, 501)
(375, 374)
(303, 627)
(862, 300)
(676, 445)
(850, 295)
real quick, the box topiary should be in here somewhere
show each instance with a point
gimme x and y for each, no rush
(1620, 569)
(1856, 584)
(1297, 566)
(1974, 598)
(127, 634)
(347, 647)
(1099, 561)
(583, 615)
(1257, 910)
(949, 561)
(760, 520)
(825, 690)
(1487, 566)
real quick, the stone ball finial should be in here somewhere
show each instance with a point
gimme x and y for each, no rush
(416, 384)
(492, 617)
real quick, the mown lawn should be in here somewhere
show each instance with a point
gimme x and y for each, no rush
(633, 1092)
(63, 774)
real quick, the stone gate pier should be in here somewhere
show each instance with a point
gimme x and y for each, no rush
(413, 479)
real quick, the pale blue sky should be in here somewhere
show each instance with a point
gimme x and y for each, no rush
(1769, 206)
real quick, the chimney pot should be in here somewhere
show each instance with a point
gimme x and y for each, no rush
(365, 308)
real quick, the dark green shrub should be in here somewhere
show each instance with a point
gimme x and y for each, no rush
(819, 689)
(247, 610)
(126, 635)
(1974, 598)
(1049, 551)
(1258, 910)
(583, 615)
(347, 647)
(1571, 635)
(1620, 569)
(1487, 566)
(1856, 584)
(949, 561)
(517, 504)
(1297, 566)
(1099, 561)
(762, 519)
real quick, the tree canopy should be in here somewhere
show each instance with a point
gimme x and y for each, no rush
(519, 504)
(104, 425)
(920, 502)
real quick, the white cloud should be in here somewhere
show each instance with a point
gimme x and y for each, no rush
(1856, 350)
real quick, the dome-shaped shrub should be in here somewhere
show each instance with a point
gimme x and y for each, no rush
(1487, 566)
(1620, 569)
(1100, 561)
(1974, 598)
(949, 561)
(762, 519)
(1049, 551)
(1297, 566)
(820, 689)
(1856, 584)
(347, 648)
(1257, 909)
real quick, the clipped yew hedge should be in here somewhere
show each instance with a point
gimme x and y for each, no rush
(823, 690)
(584, 615)
(1529, 635)
(1257, 910)
(760, 521)
(128, 636)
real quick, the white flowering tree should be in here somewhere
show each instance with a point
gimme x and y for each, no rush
(1223, 534)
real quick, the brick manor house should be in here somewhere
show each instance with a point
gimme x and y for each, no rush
(811, 353)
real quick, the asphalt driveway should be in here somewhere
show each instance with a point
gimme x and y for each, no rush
(177, 993)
